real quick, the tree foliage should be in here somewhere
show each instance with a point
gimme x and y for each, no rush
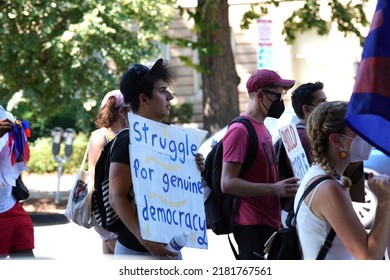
(55, 53)
(216, 61)
(349, 16)
(212, 38)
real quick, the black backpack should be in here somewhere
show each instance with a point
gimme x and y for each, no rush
(102, 211)
(221, 208)
(284, 243)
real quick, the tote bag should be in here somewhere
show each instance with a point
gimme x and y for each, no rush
(78, 208)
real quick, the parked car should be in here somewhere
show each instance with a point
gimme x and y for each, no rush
(378, 163)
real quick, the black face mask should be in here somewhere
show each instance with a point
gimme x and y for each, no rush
(276, 109)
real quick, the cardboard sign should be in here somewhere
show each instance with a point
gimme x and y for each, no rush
(167, 182)
(294, 149)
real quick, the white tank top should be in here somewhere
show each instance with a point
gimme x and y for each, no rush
(312, 230)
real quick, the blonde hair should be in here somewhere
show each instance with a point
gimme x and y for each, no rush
(327, 118)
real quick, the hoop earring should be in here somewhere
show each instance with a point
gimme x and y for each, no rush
(343, 155)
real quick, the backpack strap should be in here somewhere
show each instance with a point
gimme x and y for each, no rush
(327, 244)
(252, 146)
(300, 126)
(235, 253)
(114, 140)
(291, 219)
(331, 235)
(308, 190)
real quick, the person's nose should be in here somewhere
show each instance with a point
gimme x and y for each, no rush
(170, 96)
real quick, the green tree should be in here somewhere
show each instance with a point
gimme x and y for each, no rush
(216, 61)
(348, 16)
(58, 54)
(219, 77)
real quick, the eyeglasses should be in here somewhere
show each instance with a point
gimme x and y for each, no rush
(277, 94)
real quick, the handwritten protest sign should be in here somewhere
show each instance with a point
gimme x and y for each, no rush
(167, 182)
(296, 153)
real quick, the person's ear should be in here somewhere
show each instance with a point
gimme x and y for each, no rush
(334, 140)
(259, 95)
(307, 109)
(122, 112)
(143, 99)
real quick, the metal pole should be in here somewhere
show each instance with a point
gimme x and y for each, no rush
(57, 197)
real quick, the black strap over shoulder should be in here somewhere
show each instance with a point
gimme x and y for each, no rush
(331, 235)
(252, 146)
(308, 190)
(326, 246)
(248, 161)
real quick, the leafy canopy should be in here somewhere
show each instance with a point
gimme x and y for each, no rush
(72, 52)
(348, 16)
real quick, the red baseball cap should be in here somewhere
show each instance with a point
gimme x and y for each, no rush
(264, 77)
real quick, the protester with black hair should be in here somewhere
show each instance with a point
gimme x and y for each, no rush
(304, 99)
(147, 92)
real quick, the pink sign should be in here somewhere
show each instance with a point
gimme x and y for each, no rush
(264, 32)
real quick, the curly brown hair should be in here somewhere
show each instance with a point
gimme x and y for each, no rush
(327, 118)
(108, 114)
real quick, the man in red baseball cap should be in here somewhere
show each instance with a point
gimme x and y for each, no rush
(259, 188)
(263, 78)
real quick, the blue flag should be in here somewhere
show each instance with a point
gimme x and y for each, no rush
(368, 112)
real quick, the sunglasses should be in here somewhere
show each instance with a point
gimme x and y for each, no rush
(125, 107)
(277, 94)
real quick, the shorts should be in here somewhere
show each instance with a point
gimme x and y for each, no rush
(17, 231)
(121, 250)
(105, 234)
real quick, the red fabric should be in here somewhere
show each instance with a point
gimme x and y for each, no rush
(16, 231)
(261, 210)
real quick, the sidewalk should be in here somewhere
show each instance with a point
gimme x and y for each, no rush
(45, 185)
(55, 236)
(59, 239)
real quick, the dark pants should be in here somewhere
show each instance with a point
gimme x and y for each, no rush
(251, 240)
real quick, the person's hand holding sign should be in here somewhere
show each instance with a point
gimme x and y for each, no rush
(200, 161)
(158, 249)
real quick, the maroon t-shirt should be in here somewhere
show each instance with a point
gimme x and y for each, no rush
(261, 210)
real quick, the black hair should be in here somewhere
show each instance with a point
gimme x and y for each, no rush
(140, 79)
(303, 95)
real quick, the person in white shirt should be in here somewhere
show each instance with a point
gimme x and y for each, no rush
(334, 146)
(16, 227)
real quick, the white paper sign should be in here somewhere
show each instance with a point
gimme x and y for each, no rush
(167, 182)
(264, 32)
(296, 153)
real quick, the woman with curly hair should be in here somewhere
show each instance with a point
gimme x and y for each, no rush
(329, 206)
(111, 118)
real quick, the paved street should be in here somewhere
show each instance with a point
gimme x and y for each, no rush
(64, 240)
